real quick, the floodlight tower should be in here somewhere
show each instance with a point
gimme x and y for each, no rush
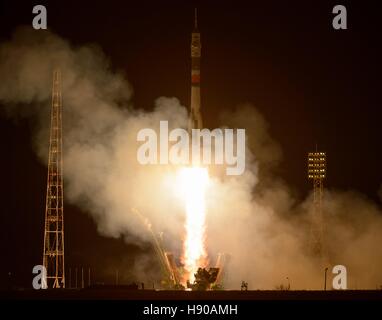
(317, 173)
(53, 255)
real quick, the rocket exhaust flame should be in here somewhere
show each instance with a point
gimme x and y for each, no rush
(193, 182)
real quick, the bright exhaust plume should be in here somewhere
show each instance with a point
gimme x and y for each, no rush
(193, 183)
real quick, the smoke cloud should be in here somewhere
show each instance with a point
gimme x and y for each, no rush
(254, 217)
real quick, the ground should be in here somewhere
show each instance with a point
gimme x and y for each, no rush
(122, 293)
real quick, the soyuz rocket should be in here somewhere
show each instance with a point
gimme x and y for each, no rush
(195, 119)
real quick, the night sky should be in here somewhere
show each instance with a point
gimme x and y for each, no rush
(312, 83)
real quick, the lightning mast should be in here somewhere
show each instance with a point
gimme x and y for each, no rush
(317, 173)
(53, 255)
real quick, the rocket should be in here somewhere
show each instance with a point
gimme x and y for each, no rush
(195, 119)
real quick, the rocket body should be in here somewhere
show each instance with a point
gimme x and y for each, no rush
(195, 119)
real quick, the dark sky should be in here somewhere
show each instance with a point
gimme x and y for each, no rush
(312, 83)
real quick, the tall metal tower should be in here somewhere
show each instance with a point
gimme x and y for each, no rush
(317, 173)
(53, 255)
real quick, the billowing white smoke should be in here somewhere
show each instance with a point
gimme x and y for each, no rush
(252, 217)
(100, 129)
